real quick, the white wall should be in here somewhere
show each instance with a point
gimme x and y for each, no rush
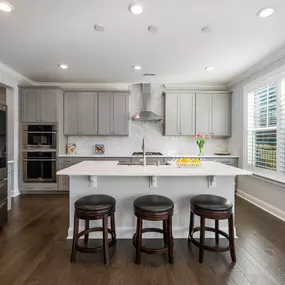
(269, 193)
(151, 131)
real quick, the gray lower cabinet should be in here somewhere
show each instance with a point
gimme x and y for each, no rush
(39, 105)
(180, 114)
(213, 114)
(80, 113)
(113, 113)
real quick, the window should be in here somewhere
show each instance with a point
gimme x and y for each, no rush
(265, 129)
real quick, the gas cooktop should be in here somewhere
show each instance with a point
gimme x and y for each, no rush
(147, 153)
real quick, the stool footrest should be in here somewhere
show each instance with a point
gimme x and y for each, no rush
(95, 249)
(147, 249)
(191, 239)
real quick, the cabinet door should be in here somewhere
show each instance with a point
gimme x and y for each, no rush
(48, 108)
(105, 113)
(63, 183)
(220, 115)
(121, 114)
(203, 113)
(30, 106)
(172, 114)
(71, 113)
(87, 113)
(187, 114)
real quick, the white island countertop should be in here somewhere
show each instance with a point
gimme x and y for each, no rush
(153, 156)
(111, 168)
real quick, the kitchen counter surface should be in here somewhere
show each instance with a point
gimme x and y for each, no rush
(154, 156)
(10, 161)
(111, 168)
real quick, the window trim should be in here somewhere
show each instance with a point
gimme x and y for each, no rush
(275, 77)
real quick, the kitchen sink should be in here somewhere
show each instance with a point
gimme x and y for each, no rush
(140, 163)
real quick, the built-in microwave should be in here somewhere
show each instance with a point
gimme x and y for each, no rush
(37, 136)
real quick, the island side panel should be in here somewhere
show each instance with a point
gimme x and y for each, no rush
(126, 189)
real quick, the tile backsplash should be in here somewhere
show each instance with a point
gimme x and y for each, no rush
(151, 131)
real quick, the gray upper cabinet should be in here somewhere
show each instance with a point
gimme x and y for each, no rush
(213, 114)
(39, 105)
(121, 114)
(105, 113)
(80, 113)
(180, 114)
(70, 113)
(113, 113)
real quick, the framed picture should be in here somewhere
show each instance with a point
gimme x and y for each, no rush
(71, 148)
(99, 149)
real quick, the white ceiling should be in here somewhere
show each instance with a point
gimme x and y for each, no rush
(40, 34)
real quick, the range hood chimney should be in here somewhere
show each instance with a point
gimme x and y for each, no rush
(146, 114)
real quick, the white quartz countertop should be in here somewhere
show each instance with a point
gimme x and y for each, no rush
(155, 156)
(111, 168)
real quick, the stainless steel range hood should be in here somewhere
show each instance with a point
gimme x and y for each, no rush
(146, 114)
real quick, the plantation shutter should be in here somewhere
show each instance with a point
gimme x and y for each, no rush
(282, 127)
(262, 128)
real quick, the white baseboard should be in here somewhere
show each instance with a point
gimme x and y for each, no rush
(15, 193)
(128, 232)
(262, 205)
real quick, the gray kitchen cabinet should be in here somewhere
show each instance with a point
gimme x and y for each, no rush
(121, 114)
(180, 114)
(113, 113)
(80, 113)
(39, 105)
(105, 113)
(212, 114)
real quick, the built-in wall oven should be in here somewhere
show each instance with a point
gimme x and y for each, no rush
(37, 136)
(39, 166)
(39, 152)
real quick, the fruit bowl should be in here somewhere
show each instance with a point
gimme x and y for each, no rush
(188, 163)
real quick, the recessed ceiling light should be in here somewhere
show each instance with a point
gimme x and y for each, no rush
(206, 30)
(137, 67)
(136, 9)
(6, 7)
(265, 12)
(99, 28)
(209, 68)
(63, 66)
(152, 29)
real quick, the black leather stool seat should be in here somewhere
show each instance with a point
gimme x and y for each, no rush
(95, 203)
(153, 203)
(211, 203)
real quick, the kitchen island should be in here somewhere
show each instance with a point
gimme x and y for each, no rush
(125, 183)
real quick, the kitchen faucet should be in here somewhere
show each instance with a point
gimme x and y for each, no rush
(143, 149)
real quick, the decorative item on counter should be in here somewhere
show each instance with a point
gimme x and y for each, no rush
(188, 162)
(200, 141)
(222, 153)
(71, 148)
(99, 149)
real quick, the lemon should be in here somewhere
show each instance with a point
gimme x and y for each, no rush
(186, 160)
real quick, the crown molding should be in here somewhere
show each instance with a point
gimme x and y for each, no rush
(194, 87)
(85, 86)
(23, 79)
(275, 56)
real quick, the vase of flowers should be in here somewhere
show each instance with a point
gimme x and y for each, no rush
(200, 141)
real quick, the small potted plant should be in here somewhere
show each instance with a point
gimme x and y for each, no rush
(200, 141)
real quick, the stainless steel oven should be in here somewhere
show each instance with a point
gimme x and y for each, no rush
(37, 136)
(39, 166)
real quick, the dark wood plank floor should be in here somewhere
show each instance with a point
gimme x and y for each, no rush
(33, 250)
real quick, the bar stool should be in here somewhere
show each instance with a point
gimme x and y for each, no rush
(154, 208)
(211, 207)
(94, 207)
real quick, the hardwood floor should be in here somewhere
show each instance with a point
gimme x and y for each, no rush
(33, 250)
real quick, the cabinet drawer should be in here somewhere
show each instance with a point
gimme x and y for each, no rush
(67, 162)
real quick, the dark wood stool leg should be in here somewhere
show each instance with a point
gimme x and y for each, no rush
(75, 237)
(232, 238)
(86, 237)
(170, 240)
(113, 227)
(191, 226)
(165, 232)
(105, 239)
(139, 240)
(202, 239)
(216, 233)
